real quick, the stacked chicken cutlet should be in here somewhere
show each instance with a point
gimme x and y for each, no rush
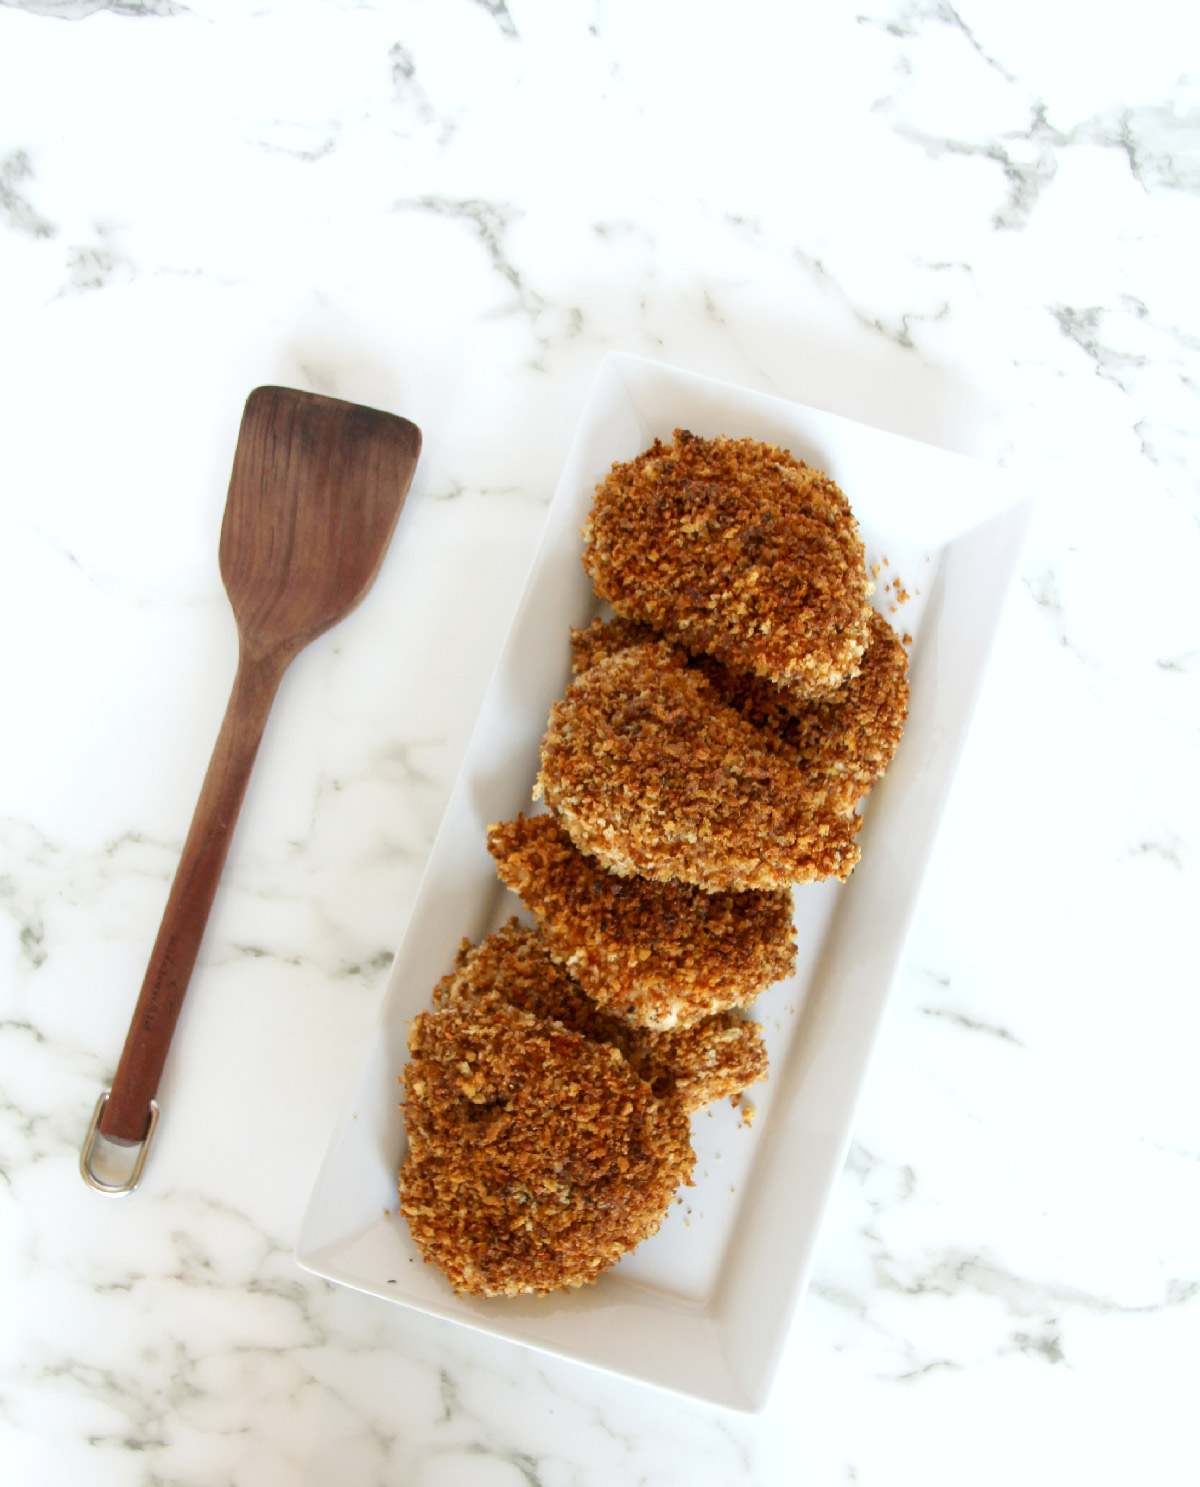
(713, 750)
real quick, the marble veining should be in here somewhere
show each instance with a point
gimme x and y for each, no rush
(968, 224)
(78, 10)
(19, 214)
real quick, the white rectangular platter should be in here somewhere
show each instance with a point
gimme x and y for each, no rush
(704, 1307)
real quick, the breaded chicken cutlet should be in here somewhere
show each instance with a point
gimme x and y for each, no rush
(841, 743)
(717, 1057)
(845, 740)
(651, 774)
(737, 550)
(536, 1157)
(659, 955)
(710, 753)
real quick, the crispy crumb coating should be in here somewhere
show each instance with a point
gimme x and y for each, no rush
(648, 772)
(656, 954)
(841, 743)
(717, 1057)
(536, 1157)
(714, 1059)
(737, 550)
(711, 752)
(603, 638)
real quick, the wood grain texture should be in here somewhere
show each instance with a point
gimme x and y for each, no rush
(316, 490)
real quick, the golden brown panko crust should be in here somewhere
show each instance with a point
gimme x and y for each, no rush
(650, 773)
(717, 1057)
(711, 753)
(513, 964)
(536, 1157)
(841, 743)
(656, 954)
(737, 550)
(603, 638)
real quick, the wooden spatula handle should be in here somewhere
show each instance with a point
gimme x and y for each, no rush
(126, 1116)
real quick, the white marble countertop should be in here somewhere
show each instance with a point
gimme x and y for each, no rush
(969, 225)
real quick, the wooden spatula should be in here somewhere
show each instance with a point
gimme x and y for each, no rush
(316, 489)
